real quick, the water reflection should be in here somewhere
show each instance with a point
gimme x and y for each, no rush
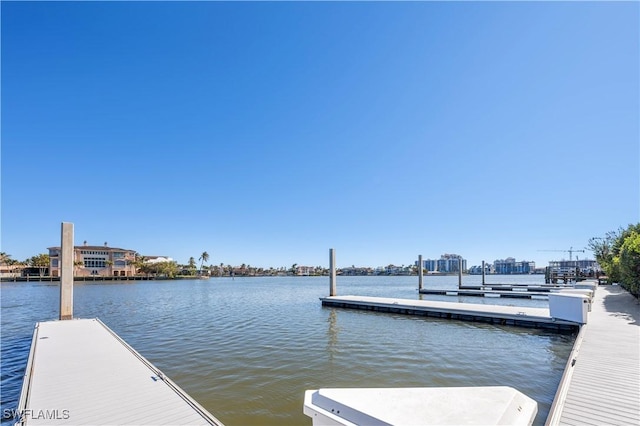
(332, 333)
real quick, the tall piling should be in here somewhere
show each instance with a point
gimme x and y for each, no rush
(420, 275)
(332, 273)
(483, 272)
(459, 272)
(66, 271)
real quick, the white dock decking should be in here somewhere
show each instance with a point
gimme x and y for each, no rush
(513, 315)
(81, 372)
(601, 383)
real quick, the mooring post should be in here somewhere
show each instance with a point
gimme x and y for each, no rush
(332, 272)
(483, 272)
(66, 272)
(420, 276)
(459, 272)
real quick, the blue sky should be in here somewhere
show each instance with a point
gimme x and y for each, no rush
(266, 133)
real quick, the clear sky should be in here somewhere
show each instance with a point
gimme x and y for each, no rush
(266, 133)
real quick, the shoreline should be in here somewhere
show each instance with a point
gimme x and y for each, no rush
(192, 277)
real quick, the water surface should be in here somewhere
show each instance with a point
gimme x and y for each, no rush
(248, 348)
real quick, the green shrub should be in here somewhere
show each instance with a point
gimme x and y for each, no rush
(618, 254)
(629, 262)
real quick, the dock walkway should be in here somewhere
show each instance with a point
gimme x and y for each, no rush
(509, 315)
(601, 383)
(81, 372)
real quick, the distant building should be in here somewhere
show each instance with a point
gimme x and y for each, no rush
(305, 270)
(355, 270)
(397, 270)
(100, 261)
(584, 267)
(12, 271)
(448, 263)
(509, 266)
(477, 270)
(430, 265)
(157, 259)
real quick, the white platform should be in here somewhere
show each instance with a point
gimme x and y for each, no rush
(515, 314)
(81, 372)
(498, 405)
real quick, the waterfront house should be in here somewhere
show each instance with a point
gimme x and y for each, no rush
(305, 270)
(157, 259)
(100, 261)
(11, 271)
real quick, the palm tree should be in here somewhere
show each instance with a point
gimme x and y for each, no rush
(192, 265)
(109, 264)
(5, 259)
(41, 262)
(139, 263)
(204, 257)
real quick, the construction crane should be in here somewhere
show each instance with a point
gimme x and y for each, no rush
(570, 251)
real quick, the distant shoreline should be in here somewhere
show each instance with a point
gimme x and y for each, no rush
(192, 277)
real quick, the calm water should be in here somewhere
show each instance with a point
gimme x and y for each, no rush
(248, 348)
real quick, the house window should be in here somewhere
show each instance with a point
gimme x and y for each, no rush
(94, 262)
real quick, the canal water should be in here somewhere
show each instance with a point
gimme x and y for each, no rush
(248, 348)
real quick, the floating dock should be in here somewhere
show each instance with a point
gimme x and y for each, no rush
(511, 291)
(506, 315)
(601, 382)
(515, 294)
(81, 372)
(517, 287)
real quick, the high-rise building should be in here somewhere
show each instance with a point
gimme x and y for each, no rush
(509, 266)
(447, 263)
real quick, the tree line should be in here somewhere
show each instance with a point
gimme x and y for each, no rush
(618, 254)
(170, 269)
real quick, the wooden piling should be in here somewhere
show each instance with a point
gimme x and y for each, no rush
(66, 271)
(459, 272)
(420, 274)
(332, 273)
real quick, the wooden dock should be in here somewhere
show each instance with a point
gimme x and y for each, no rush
(81, 372)
(506, 315)
(601, 383)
